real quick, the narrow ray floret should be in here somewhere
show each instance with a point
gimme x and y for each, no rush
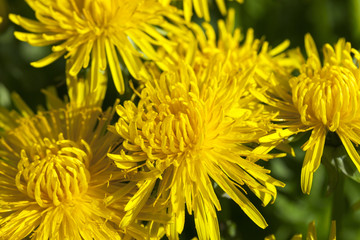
(323, 98)
(186, 133)
(97, 31)
(55, 174)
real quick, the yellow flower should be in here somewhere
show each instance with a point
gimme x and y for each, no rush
(323, 98)
(98, 31)
(237, 52)
(189, 131)
(55, 174)
(311, 234)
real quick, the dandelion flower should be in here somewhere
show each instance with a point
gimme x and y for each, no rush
(236, 51)
(324, 98)
(55, 174)
(187, 132)
(98, 31)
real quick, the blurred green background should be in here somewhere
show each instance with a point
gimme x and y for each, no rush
(275, 20)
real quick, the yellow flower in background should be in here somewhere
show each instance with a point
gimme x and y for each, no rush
(188, 132)
(80, 96)
(97, 31)
(55, 175)
(324, 97)
(237, 52)
(311, 234)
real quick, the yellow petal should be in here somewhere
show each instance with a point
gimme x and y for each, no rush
(48, 59)
(228, 186)
(311, 235)
(353, 154)
(312, 159)
(333, 231)
(221, 6)
(114, 66)
(134, 206)
(21, 105)
(310, 46)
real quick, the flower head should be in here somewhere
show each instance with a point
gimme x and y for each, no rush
(98, 31)
(237, 52)
(188, 131)
(324, 97)
(55, 175)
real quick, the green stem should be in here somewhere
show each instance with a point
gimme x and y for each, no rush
(338, 204)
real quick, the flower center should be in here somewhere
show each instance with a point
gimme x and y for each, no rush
(175, 126)
(54, 172)
(100, 15)
(330, 96)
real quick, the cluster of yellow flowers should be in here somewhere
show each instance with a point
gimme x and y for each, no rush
(208, 109)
